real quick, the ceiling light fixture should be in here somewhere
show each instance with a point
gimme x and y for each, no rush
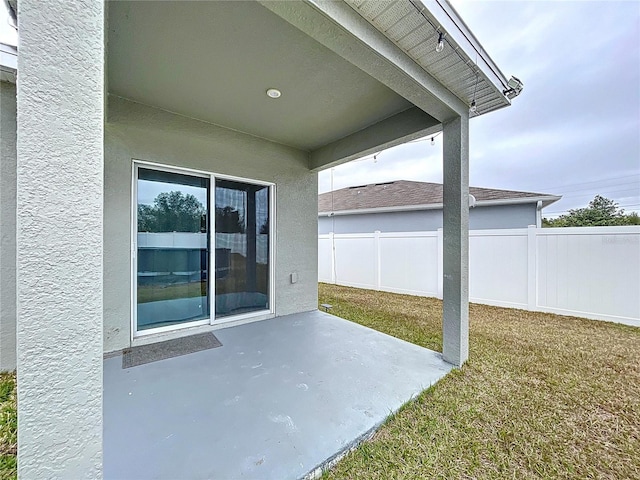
(473, 108)
(274, 93)
(433, 142)
(440, 45)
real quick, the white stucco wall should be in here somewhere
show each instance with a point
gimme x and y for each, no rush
(134, 131)
(59, 238)
(7, 226)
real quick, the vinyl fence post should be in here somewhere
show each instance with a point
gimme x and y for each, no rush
(376, 241)
(440, 262)
(333, 258)
(532, 268)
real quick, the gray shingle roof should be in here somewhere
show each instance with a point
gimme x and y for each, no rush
(401, 193)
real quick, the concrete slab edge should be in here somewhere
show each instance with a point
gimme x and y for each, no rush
(330, 462)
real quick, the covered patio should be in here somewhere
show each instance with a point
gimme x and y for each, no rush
(235, 107)
(278, 400)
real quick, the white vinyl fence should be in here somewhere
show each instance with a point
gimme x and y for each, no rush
(591, 272)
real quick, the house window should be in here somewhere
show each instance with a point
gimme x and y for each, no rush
(191, 267)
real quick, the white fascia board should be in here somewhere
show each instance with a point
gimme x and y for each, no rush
(546, 200)
(8, 63)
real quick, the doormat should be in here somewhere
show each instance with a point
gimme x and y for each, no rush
(132, 357)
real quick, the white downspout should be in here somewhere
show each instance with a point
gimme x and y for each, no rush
(539, 214)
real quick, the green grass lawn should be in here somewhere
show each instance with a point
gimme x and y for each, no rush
(8, 426)
(542, 396)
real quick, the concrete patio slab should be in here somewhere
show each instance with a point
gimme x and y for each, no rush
(277, 400)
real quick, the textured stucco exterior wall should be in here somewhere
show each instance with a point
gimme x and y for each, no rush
(7, 226)
(59, 239)
(480, 218)
(139, 132)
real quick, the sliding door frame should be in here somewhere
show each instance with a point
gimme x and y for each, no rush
(211, 232)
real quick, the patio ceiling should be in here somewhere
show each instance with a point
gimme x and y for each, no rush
(214, 61)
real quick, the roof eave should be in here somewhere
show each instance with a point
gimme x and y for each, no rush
(546, 201)
(442, 12)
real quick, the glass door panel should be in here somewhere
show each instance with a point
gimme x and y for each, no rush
(172, 248)
(242, 248)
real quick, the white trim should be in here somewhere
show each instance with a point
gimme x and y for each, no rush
(211, 321)
(241, 316)
(191, 329)
(173, 168)
(170, 328)
(133, 257)
(439, 206)
(211, 287)
(272, 249)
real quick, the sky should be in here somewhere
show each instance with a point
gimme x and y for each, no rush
(574, 130)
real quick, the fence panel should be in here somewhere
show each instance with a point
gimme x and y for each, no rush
(325, 262)
(498, 271)
(590, 272)
(409, 263)
(355, 260)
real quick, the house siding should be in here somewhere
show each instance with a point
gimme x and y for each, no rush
(135, 131)
(480, 218)
(7, 226)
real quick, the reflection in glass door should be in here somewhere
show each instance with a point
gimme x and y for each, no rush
(242, 248)
(172, 248)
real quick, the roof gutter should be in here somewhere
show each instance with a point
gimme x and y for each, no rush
(544, 201)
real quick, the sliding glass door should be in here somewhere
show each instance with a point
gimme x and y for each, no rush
(172, 248)
(242, 248)
(184, 275)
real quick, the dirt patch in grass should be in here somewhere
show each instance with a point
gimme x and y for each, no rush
(8, 426)
(542, 396)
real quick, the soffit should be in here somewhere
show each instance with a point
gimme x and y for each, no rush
(463, 67)
(213, 61)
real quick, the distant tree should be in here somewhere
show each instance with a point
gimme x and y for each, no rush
(172, 212)
(228, 220)
(600, 212)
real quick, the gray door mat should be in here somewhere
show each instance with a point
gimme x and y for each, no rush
(132, 357)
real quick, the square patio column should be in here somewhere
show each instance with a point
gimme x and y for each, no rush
(7, 226)
(59, 238)
(455, 315)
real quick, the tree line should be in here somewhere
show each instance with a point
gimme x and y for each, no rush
(600, 212)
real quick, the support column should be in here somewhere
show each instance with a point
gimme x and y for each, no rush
(455, 315)
(59, 238)
(7, 226)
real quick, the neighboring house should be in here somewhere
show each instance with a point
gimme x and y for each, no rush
(405, 206)
(130, 121)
